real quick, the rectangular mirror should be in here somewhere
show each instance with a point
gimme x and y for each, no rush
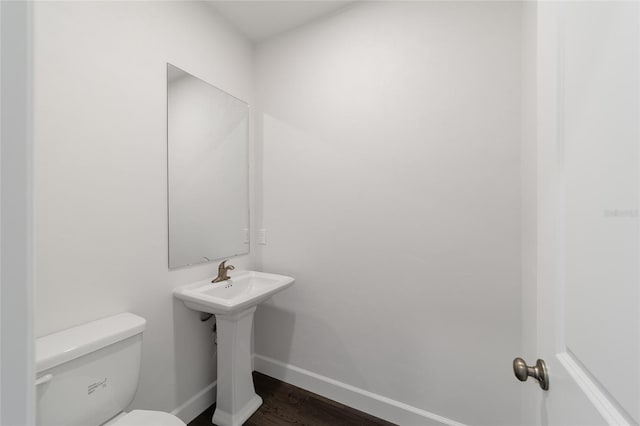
(208, 171)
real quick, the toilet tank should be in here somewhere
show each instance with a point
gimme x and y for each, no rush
(89, 373)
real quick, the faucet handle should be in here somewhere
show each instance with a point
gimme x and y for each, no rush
(223, 266)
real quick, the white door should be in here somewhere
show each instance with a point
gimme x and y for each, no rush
(588, 298)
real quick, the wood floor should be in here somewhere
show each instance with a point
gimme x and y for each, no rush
(285, 404)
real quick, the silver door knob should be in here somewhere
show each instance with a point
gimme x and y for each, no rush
(539, 372)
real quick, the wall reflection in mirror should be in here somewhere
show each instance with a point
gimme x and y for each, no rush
(208, 185)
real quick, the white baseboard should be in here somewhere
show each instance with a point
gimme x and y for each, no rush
(195, 405)
(360, 399)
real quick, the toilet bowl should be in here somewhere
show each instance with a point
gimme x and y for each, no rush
(145, 418)
(87, 375)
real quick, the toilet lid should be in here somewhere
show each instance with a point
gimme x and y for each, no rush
(149, 418)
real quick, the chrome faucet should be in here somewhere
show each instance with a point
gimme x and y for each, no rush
(222, 272)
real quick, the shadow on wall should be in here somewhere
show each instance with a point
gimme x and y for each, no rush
(194, 345)
(274, 332)
(278, 324)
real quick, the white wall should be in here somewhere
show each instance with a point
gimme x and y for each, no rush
(100, 174)
(17, 393)
(391, 191)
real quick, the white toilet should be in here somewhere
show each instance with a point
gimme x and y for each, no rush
(87, 375)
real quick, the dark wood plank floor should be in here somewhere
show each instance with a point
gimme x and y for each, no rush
(285, 404)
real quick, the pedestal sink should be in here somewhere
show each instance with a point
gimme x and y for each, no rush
(233, 302)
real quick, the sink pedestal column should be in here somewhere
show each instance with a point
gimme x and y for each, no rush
(236, 398)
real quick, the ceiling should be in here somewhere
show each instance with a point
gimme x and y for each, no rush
(259, 20)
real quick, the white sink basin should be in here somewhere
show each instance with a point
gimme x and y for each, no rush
(244, 290)
(233, 302)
